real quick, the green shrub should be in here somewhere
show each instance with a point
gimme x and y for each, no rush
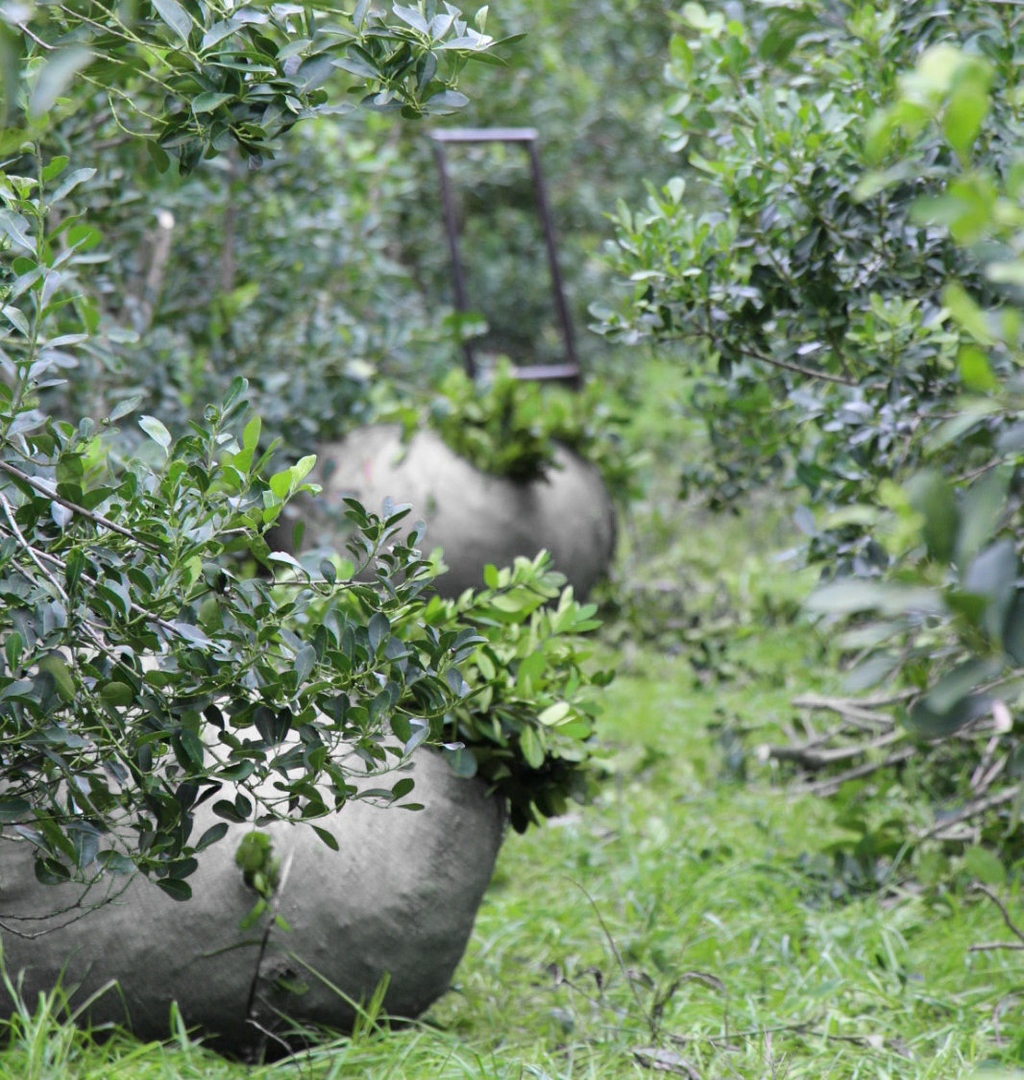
(145, 666)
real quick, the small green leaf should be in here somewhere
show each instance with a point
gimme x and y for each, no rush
(326, 837)
(212, 835)
(117, 693)
(14, 809)
(305, 659)
(55, 667)
(124, 407)
(54, 168)
(301, 469)
(402, 787)
(12, 649)
(379, 629)
(209, 102)
(532, 748)
(175, 888)
(932, 497)
(976, 371)
(251, 433)
(281, 483)
(156, 431)
(175, 16)
(554, 714)
(55, 77)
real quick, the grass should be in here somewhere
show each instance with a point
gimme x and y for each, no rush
(696, 920)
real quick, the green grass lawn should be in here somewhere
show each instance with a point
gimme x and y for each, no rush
(696, 921)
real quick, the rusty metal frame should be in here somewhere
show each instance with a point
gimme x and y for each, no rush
(527, 137)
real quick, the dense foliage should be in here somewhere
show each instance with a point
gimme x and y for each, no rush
(526, 721)
(157, 653)
(849, 288)
(816, 305)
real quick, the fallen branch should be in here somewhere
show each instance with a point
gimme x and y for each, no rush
(810, 757)
(988, 946)
(862, 713)
(971, 810)
(834, 783)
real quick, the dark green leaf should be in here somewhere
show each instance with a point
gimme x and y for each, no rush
(175, 888)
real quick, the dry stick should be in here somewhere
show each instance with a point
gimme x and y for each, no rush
(988, 768)
(971, 810)
(44, 488)
(1011, 925)
(812, 758)
(870, 701)
(834, 783)
(618, 955)
(859, 712)
(805, 1028)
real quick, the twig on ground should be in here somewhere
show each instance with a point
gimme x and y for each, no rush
(862, 713)
(989, 946)
(971, 810)
(810, 757)
(613, 945)
(989, 768)
(832, 784)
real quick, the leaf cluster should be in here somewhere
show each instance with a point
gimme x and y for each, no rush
(508, 426)
(157, 653)
(951, 615)
(526, 723)
(198, 77)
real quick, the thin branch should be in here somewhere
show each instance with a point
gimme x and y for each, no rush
(79, 909)
(971, 810)
(45, 488)
(789, 365)
(1010, 925)
(36, 556)
(812, 758)
(834, 783)
(30, 550)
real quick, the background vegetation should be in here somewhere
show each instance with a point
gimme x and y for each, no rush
(804, 858)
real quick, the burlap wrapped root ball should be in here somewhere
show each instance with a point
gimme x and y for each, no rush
(475, 517)
(398, 899)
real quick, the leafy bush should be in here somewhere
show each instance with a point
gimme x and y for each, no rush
(152, 655)
(141, 674)
(812, 311)
(849, 288)
(951, 617)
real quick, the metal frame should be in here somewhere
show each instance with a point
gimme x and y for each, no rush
(527, 137)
